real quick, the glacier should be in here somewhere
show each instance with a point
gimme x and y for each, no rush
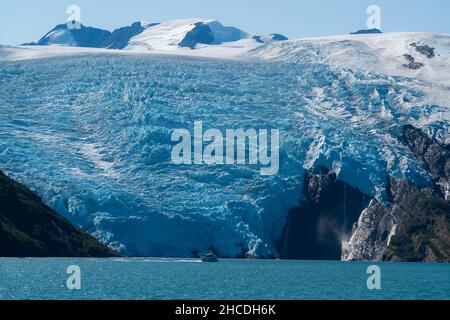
(90, 132)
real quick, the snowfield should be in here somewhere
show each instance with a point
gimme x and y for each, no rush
(90, 129)
(377, 53)
(165, 38)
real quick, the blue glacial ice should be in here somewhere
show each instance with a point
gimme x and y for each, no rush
(92, 136)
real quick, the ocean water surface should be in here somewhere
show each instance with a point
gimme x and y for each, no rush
(176, 279)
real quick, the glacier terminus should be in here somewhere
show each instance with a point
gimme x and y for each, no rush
(90, 129)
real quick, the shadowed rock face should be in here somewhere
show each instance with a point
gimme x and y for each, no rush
(200, 34)
(423, 224)
(120, 38)
(316, 228)
(423, 49)
(336, 221)
(434, 155)
(412, 226)
(83, 37)
(368, 31)
(28, 228)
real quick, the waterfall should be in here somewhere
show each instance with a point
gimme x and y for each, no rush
(344, 225)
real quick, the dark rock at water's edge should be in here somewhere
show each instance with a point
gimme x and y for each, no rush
(336, 221)
(423, 230)
(413, 226)
(315, 228)
(28, 228)
(368, 31)
(201, 34)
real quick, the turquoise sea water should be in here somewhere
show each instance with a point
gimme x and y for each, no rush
(150, 278)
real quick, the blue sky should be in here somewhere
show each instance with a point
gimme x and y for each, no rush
(25, 21)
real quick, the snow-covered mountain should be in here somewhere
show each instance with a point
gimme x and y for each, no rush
(91, 133)
(120, 38)
(90, 37)
(271, 38)
(175, 36)
(185, 33)
(83, 37)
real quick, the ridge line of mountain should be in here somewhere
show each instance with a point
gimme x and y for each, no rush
(193, 32)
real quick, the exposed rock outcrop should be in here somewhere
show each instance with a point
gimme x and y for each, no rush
(423, 49)
(28, 228)
(82, 37)
(269, 39)
(120, 38)
(434, 155)
(412, 63)
(90, 37)
(325, 216)
(336, 221)
(410, 225)
(424, 230)
(201, 34)
(368, 31)
(415, 223)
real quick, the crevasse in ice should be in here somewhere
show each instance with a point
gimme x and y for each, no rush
(92, 136)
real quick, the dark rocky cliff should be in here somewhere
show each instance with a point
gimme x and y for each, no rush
(413, 226)
(336, 221)
(28, 228)
(434, 155)
(368, 31)
(83, 37)
(316, 227)
(201, 34)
